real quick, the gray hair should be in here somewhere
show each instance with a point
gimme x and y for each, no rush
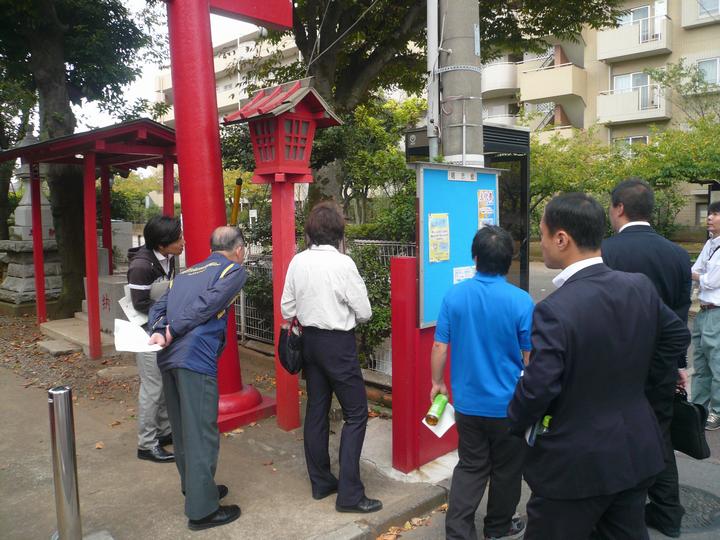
(226, 238)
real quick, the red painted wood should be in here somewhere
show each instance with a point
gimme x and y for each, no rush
(413, 444)
(37, 240)
(275, 14)
(283, 235)
(105, 217)
(168, 187)
(91, 256)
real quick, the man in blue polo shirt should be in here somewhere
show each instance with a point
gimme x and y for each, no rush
(487, 321)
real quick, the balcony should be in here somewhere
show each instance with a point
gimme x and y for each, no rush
(552, 83)
(507, 120)
(647, 103)
(700, 13)
(645, 37)
(499, 79)
(560, 132)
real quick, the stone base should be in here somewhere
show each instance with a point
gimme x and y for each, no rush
(29, 309)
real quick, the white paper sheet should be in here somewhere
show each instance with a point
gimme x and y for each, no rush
(130, 337)
(133, 316)
(445, 422)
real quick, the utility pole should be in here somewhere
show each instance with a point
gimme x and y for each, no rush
(459, 68)
(433, 89)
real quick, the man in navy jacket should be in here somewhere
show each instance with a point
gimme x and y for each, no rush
(636, 247)
(592, 343)
(190, 322)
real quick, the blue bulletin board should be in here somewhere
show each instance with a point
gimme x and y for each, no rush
(454, 202)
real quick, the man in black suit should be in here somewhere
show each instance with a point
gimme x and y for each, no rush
(593, 340)
(636, 247)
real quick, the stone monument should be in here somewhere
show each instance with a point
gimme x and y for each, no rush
(17, 291)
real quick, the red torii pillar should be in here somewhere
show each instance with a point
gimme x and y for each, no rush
(37, 240)
(199, 164)
(91, 256)
(168, 187)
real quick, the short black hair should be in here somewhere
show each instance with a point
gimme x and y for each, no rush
(325, 225)
(226, 238)
(637, 198)
(580, 216)
(161, 231)
(714, 207)
(492, 249)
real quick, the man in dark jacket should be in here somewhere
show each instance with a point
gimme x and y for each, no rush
(149, 264)
(190, 322)
(592, 344)
(636, 247)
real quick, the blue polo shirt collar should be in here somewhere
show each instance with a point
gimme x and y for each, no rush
(488, 278)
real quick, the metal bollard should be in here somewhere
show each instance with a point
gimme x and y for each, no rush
(62, 431)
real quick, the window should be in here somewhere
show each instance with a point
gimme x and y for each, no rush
(648, 94)
(708, 8)
(626, 144)
(700, 213)
(710, 69)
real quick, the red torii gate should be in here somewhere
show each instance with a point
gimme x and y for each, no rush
(122, 147)
(199, 163)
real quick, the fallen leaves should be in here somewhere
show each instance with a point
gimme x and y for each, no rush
(115, 423)
(393, 533)
(99, 445)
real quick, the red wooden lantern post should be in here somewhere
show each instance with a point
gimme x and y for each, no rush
(282, 123)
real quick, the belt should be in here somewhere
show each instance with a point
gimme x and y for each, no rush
(707, 307)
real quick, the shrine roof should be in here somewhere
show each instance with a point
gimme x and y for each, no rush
(124, 146)
(277, 100)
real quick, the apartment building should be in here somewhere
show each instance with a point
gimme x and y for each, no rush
(599, 80)
(229, 71)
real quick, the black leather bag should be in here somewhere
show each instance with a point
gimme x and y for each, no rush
(290, 348)
(687, 429)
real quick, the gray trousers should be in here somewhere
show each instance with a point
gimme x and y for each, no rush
(152, 412)
(192, 402)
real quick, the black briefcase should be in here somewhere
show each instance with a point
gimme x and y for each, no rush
(290, 347)
(687, 429)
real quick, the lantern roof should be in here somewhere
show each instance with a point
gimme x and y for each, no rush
(276, 100)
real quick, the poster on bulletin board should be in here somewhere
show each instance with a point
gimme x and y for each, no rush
(454, 202)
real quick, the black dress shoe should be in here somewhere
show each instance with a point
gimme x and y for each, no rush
(222, 491)
(165, 440)
(223, 515)
(365, 506)
(319, 495)
(156, 454)
(650, 521)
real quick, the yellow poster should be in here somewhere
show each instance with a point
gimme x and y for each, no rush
(439, 237)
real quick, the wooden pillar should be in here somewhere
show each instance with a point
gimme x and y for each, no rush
(37, 240)
(105, 219)
(168, 186)
(91, 256)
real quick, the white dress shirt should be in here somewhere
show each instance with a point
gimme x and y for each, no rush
(708, 266)
(575, 267)
(323, 288)
(163, 260)
(633, 223)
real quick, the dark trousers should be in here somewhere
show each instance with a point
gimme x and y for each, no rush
(487, 452)
(331, 365)
(192, 403)
(664, 509)
(606, 517)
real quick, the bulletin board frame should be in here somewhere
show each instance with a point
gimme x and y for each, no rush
(454, 201)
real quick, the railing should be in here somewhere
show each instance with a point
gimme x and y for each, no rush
(251, 326)
(549, 117)
(649, 28)
(544, 66)
(649, 95)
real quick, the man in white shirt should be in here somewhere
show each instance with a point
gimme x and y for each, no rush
(324, 290)
(706, 332)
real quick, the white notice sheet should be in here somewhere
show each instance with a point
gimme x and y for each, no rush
(130, 337)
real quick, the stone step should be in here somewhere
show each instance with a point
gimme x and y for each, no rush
(76, 331)
(58, 347)
(81, 315)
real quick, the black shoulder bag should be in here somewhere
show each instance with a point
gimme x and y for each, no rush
(687, 429)
(290, 349)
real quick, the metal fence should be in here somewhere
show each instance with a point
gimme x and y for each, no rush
(251, 326)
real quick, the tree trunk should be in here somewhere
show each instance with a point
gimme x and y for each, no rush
(47, 62)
